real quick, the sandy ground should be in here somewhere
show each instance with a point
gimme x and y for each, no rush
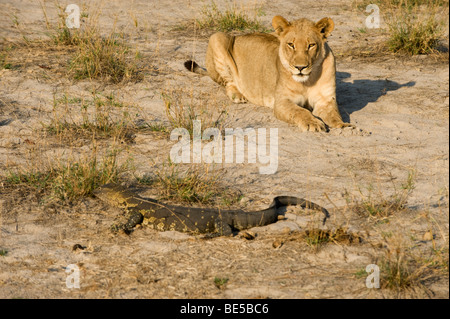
(400, 106)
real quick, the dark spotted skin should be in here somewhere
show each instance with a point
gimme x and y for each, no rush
(194, 220)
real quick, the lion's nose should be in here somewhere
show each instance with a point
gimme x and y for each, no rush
(301, 67)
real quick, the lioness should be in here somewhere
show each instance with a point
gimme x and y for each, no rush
(292, 71)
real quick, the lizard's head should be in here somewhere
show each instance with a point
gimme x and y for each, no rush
(113, 194)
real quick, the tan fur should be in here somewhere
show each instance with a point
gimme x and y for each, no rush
(292, 71)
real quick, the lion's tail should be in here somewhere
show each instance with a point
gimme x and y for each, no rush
(194, 67)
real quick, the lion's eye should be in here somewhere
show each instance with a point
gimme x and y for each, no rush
(311, 45)
(291, 45)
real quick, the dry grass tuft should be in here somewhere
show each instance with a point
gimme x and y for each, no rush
(85, 52)
(182, 108)
(68, 180)
(315, 238)
(413, 26)
(376, 203)
(197, 185)
(402, 269)
(232, 18)
(108, 58)
(102, 116)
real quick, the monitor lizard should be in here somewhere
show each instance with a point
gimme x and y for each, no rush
(213, 221)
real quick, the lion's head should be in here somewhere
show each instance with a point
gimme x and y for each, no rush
(302, 44)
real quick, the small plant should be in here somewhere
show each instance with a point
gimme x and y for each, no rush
(154, 127)
(63, 36)
(18, 26)
(439, 260)
(3, 62)
(220, 282)
(361, 273)
(232, 19)
(3, 252)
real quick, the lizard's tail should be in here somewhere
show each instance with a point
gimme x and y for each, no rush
(281, 201)
(194, 67)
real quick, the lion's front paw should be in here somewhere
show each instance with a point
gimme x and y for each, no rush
(234, 94)
(311, 124)
(238, 98)
(341, 124)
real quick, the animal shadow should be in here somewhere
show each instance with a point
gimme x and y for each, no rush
(354, 96)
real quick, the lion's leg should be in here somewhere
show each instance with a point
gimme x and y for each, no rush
(290, 112)
(221, 66)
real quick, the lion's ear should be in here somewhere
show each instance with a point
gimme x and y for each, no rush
(325, 26)
(279, 24)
